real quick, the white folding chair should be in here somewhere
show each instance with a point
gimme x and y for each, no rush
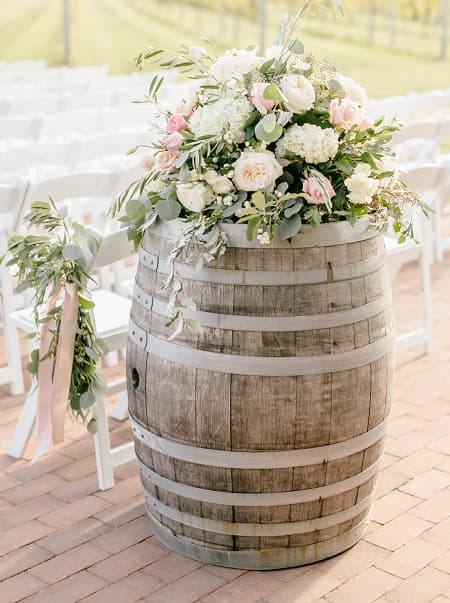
(417, 142)
(422, 180)
(83, 192)
(59, 125)
(110, 317)
(34, 155)
(37, 103)
(19, 127)
(11, 200)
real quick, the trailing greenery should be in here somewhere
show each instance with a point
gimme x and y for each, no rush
(44, 263)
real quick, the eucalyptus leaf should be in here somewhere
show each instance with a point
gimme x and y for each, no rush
(296, 46)
(271, 92)
(231, 209)
(92, 426)
(268, 122)
(168, 209)
(87, 399)
(259, 200)
(72, 252)
(294, 209)
(289, 227)
(252, 227)
(263, 135)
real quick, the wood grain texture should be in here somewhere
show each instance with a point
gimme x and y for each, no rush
(263, 413)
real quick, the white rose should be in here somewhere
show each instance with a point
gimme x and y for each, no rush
(220, 184)
(256, 171)
(195, 196)
(298, 93)
(352, 89)
(361, 187)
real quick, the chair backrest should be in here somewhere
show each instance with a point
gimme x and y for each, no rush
(34, 155)
(19, 127)
(74, 186)
(118, 143)
(12, 197)
(425, 178)
(423, 130)
(114, 247)
(59, 125)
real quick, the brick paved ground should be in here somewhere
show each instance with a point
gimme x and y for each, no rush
(63, 541)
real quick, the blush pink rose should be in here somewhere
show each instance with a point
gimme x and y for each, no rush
(165, 161)
(183, 109)
(316, 191)
(257, 97)
(365, 123)
(176, 123)
(345, 113)
(173, 141)
(148, 163)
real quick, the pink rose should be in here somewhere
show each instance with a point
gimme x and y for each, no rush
(176, 123)
(148, 163)
(173, 141)
(183, 109)
(165, 161)
(257, 97)
(317, 190)
(365, 123)
(345, 113)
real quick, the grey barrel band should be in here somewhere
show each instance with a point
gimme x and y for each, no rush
(260, 365)
(265, 499)
(264, 278)
(238, 322)
(277, 459)
(255, 529)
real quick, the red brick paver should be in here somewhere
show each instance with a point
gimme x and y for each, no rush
(63, 541)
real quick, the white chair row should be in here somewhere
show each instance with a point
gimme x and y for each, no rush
(51, 74)
(412, 107)
(36, 158)
(419, 142)
(137, 83)
(87, 122)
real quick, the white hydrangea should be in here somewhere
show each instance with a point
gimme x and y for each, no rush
(352, 89)
(312, 143)
(361, 186)
(234, 64)
(227, 115)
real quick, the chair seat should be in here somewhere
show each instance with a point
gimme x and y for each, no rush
(394, 247)
(111, 315)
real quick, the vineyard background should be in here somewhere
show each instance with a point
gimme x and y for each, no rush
(392, 46)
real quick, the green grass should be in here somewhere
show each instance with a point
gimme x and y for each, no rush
(113, 31)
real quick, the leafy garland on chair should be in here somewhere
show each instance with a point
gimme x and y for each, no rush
(44, 262)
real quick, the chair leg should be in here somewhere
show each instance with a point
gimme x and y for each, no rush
(120, 411)
(25, 425)
(425, 277)
(11, 335)
(103, 456)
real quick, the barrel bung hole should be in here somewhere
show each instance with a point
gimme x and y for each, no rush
(134, 378)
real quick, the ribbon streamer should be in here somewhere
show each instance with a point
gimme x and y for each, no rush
(54, 374)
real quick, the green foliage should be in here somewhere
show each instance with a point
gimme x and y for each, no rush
(43, 263)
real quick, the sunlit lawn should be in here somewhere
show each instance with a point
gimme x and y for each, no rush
(113, 31)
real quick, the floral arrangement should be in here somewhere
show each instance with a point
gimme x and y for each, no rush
(273, 141)
(54, 263)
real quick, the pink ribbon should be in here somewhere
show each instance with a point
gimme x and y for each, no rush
(54, 374)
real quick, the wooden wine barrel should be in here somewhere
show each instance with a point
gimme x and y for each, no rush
(259, 440)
